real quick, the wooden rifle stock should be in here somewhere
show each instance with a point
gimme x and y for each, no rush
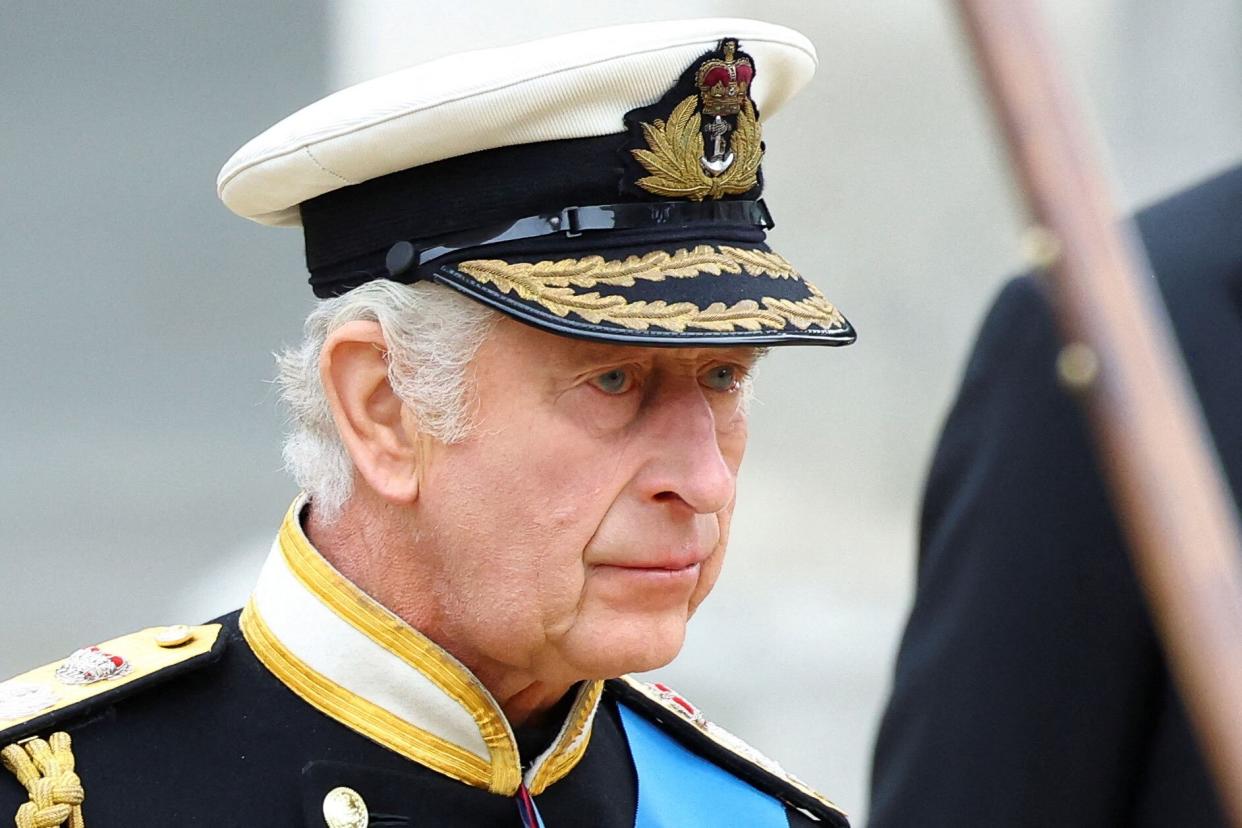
(1153, 446)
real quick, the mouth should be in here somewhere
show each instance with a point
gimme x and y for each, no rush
(672, 567)
(653, 568)
(649, 578)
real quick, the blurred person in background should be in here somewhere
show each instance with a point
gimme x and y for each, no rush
(518, 416)
(1030, 688)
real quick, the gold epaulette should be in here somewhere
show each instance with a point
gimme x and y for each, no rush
(88, 678)
(100, 674)
(684, 722)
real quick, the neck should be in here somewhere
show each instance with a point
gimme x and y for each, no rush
(367, 544)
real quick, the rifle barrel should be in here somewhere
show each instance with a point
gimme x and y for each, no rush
(1157, 455)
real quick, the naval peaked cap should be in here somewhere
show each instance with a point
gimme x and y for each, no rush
(603, 184)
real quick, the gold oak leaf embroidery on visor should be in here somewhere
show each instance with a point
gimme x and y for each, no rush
(675, 148)
(551, 284)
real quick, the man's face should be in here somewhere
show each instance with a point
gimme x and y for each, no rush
(586, 517)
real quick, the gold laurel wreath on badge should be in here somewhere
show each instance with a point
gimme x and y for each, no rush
(551, 284)
(677, 145)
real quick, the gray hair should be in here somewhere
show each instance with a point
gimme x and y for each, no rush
(432, 332)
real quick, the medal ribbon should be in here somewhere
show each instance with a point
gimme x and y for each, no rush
(527, 810)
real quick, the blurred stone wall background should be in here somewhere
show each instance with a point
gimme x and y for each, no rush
(140, 478)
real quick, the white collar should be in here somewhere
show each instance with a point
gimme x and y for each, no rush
(355, 661)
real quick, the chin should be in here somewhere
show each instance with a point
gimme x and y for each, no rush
(632, 645)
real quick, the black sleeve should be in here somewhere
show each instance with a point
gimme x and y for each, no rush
(1028, 676)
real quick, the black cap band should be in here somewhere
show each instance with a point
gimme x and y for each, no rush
(516, 194)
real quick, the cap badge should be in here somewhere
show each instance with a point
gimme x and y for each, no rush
(689, 158)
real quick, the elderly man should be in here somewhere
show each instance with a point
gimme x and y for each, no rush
(518, 417)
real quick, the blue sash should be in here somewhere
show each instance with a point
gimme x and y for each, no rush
(677, 789)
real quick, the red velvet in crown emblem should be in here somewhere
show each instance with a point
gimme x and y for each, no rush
(724, 84)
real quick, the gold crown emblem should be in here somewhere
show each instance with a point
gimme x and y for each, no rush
(724, 83)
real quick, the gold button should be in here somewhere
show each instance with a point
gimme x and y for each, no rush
(344, 808)
(1078, 366)
(173, 636)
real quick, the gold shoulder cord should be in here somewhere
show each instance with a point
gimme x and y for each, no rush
(45, 769)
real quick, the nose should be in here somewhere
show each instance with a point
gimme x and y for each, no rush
(686, 462)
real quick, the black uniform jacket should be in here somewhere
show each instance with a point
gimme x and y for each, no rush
(1030, 689)
(259, 717)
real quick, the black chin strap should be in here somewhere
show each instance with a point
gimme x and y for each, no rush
(404, 257)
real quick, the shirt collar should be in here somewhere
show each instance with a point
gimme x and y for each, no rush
(355, 661)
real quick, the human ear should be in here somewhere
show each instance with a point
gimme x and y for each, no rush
(353, 367)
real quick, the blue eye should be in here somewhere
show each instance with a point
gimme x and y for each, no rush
(616, 381)
(722, 378)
